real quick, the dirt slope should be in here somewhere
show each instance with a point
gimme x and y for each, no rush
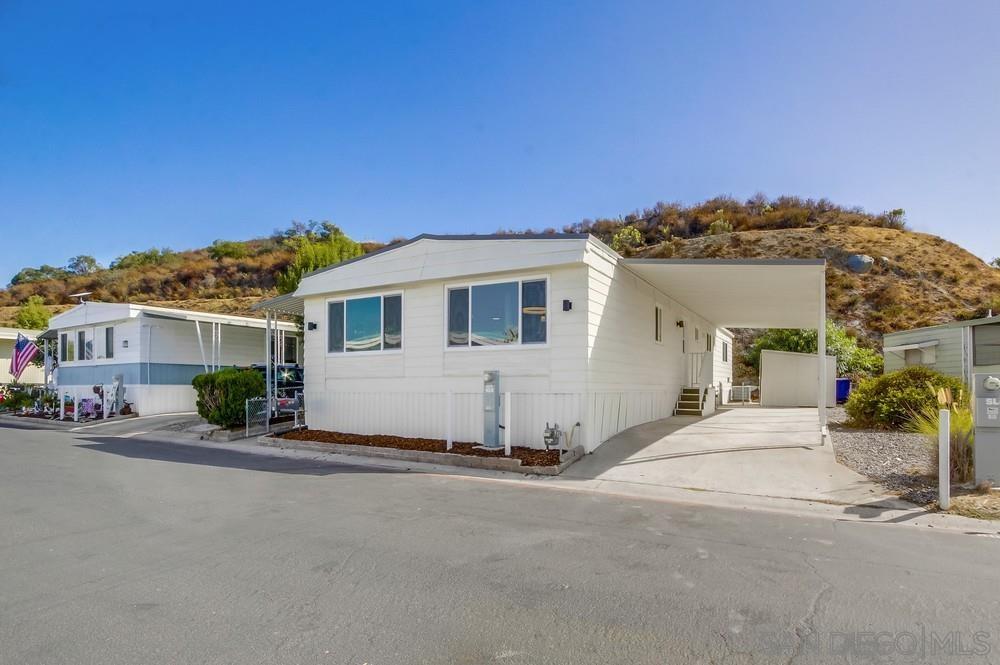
(922, 279)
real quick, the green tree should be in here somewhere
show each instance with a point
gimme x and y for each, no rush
(852, 359)
(995, 262)
(83, 265)
(43, 272)
(314, 251)
(32, 315)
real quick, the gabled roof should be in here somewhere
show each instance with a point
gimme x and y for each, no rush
(430, 257)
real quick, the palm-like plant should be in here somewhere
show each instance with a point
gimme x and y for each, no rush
(962, 431)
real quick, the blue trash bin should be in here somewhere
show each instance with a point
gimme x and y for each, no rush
(843, 390)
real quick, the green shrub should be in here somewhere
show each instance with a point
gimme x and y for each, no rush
(891, 400)
(626, 239)
(222, 395)
(228, 249)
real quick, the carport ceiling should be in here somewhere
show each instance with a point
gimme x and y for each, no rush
(763, 293)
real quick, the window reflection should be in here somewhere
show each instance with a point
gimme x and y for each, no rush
(364, 322)
(494, 314)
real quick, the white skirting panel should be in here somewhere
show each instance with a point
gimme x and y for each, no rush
(145, 400)
(613, 412)
(425, 414)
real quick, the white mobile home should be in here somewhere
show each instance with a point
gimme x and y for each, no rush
(8, 338)
(960, 348)
(156, 351)
(397, 341)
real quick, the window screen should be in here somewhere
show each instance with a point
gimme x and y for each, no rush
(392, 322)
(335, 327)
(81, 344)
(458, 317)
(986, 342)
(533, 312)
(290, 352)
(109, 342)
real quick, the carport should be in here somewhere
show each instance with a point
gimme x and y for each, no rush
(777, 452)
(748, 293)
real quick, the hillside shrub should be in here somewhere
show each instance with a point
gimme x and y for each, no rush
(222, 395)
(892, 400)
(228, 249)
(626, 239)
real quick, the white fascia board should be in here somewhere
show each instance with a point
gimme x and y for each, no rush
(430, 259)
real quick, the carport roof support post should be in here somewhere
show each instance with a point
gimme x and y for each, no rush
(821, 350)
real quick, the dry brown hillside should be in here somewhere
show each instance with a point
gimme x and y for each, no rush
(922, 280)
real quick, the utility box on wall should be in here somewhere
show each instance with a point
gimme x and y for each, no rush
(491, 408)
(986, 390)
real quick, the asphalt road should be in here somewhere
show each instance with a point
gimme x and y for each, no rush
(128, 550)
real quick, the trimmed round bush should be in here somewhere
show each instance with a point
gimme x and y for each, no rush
(891, 400)
(222, 395)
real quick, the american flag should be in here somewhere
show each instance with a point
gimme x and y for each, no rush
(24, 351)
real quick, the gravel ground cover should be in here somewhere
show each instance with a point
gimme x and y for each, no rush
(900, 461)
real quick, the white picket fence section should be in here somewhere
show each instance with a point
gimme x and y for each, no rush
(426, 414)
(600, 415)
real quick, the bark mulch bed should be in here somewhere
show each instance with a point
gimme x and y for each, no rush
(528, 456)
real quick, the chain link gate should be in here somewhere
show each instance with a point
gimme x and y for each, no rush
(257, 416)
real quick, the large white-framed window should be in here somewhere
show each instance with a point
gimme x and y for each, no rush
(497, 314)
(365, 324)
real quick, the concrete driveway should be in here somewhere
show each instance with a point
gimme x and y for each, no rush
(740, 450)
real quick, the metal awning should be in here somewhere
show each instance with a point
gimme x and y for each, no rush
(742, 293)
(900, 348)
(287, 303)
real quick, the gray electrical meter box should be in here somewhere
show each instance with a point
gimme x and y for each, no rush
(986, 389)
(491, 409)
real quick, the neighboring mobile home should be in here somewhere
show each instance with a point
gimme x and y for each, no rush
(156, 351)
(397, 341)
(960, 348)
(32, 374)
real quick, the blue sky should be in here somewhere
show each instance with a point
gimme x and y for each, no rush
(125, 126)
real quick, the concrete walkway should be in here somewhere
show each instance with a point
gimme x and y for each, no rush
(752, 451)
